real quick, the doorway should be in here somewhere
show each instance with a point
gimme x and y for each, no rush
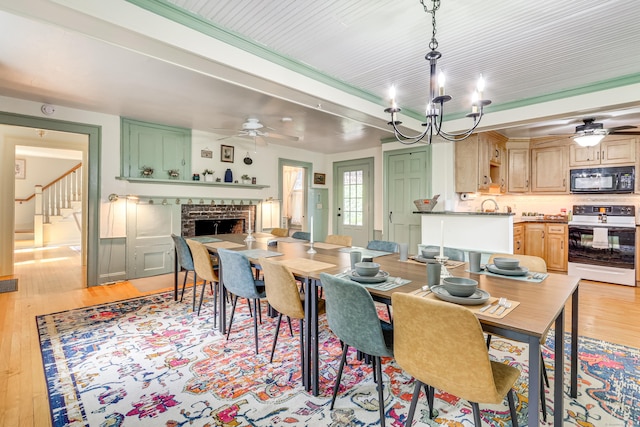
(354, 199)
(294, 178)
(90, 216)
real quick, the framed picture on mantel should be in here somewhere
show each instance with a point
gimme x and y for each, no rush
(319, 178)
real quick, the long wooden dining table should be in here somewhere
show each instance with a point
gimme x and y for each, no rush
(541, 306)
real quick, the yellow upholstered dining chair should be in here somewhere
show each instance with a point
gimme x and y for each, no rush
(442, 346)
(338, 239)
(280, 232)
(283, 295)
(204, 268)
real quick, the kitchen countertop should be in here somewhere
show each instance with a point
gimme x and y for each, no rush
(524, 219)
(466, 213)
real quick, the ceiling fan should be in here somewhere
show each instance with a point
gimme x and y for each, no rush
(252, 128)
(590, 132)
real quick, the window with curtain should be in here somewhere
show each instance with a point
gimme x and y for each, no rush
(293, 179)
(352, 183)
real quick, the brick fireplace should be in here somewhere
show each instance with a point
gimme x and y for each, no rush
(216, 219)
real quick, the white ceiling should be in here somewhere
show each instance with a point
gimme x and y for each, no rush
(527, 51)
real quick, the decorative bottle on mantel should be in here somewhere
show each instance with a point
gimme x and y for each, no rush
(228, 176)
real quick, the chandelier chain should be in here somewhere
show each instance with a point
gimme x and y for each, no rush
(433, 44)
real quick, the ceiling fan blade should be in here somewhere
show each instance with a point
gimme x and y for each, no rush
(226, 137)
(280, 136)
(625, 133)
(618, 128)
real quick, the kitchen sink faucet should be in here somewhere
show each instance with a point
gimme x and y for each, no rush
(495, 205)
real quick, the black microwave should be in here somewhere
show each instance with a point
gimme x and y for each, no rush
(603, 180)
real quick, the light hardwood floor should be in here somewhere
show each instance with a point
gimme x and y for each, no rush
(51, 280)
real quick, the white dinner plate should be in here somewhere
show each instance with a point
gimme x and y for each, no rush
(380, 277)
(423, 259)
(518, 271)
(479, 296)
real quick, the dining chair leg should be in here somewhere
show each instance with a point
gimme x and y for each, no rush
(275, 337)
(488, 341)
(259, 310)
(233, 310)
(302, 358)
(215, 305)
(512, 409)
(476, 414)
(414, 402)
(195, 288)
(290, 327)
(389, 313)
(336, 386)
(204, 288)
(430, 393)
(544, 370)
(255, 322)
(543, 403)
(184, 283)
(378, 363)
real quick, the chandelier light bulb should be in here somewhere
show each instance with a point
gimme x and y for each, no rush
(441, 81)
(392, 96)
(474, 102)
(480, 87)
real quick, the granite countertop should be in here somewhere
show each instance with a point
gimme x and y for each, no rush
(466, 213)
(524, 219)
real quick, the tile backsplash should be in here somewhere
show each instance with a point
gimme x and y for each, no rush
(543, 204)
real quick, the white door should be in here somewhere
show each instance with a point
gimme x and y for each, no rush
(149, 245)
(407, 179)
(354, 200)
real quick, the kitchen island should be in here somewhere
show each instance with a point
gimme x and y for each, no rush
(487, 232)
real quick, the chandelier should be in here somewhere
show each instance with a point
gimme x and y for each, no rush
(437, 97)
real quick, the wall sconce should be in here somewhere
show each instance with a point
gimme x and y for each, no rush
(113, 197)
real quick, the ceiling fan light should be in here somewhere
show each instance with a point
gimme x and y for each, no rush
(588, 140)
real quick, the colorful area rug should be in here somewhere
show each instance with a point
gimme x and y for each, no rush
(150, 361)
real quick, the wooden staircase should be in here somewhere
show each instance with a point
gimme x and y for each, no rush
(57, 210)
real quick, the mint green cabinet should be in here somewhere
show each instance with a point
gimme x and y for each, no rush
(159, 147)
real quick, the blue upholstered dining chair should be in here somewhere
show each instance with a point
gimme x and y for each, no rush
(382, 245)
(185, 261)
(452, 253)
(352, 316)
(302, 235)
(237, 278)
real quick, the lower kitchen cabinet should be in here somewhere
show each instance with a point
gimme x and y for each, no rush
(534, 242)
(556, 245)
(545, 240)
(518, 239)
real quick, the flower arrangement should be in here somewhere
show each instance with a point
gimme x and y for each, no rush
(146, 171)
(207, 172)
(173, 173)
(245, 178)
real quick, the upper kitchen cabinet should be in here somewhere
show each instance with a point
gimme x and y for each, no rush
(611, 151)
(480, 163)
(518, 170)
(154, 147)
(549, 169)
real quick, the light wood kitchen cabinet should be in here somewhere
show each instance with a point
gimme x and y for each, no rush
(608, 152)
(478, 163)
(548, 241)
(557, 239)
(518, 239)
(534, 239)
(518, 170)
(549, 171)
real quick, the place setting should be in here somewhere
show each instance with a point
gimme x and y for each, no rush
(511, 268)
(369, 274)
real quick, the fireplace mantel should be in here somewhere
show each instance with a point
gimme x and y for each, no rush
(187, 182)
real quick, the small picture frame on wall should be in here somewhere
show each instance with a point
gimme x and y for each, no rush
(21, 165)
(226, 153)
(319, 178)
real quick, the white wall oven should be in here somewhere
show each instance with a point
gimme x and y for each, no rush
(602, 242)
